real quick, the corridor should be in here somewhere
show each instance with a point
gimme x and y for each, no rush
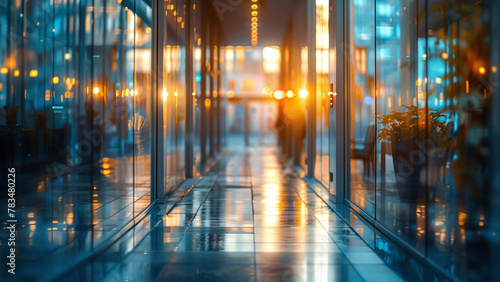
(249, 140)
(246, 220)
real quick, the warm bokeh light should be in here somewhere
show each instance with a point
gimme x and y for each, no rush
(266, 90)
(96, 90)
(67, 56)
(278, 94)
(33, 73)
(254, 7)
(4, 70)
(494, 69)
(55, 79)
(272, 57)
(290, 94)
(16, 73)
(482, 70)
(303, 93)
(230, 93)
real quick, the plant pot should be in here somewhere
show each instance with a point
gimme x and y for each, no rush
(409, 165)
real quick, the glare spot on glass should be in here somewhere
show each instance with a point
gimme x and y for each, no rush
(303, 93)
(96, 90)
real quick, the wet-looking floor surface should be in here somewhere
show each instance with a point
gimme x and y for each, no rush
(246, 220)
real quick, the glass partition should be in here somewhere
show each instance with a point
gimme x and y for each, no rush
(361, 112)
(75, 119)
(420, 83)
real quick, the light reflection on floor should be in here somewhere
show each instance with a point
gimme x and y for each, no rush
(68, 214)
(249, 222)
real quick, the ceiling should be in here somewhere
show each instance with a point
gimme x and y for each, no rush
(273, 18)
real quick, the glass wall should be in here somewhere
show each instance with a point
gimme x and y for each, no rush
(322, 88)
(420, 83)
(75, 119)
(361, 112)
(174, 92)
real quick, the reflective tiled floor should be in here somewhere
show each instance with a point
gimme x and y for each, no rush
(247, 220)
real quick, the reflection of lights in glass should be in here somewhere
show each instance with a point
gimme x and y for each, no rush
(148, 30)
(47, 95)
(16, 73)
(208, 103)
(165, 94)
(266, 90)
(279, 94)
(255, 13)
(290, 94)
(418, 82)
(494, 69)
(229, 59)
(4, 70)
(272, 57)
(67, 56)
(240, 58)
(230, 93)
(55, 79)
(255, 25)
(424, 57)
(438, 80)
(254, 19)
(368, 100)
(96, 90)
(444, 56)
(254, 7)
(33, 73)
(194, 94)
(303, 93)
(176, 93)
(482, 70)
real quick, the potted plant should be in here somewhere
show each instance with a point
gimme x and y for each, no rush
(411, 141)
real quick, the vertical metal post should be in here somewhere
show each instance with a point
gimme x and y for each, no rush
(340, 77)
(495, 135)
(157, 146)
(203, 94)
(211, 89)
(188, 150)
(218, 114)
(311, 86)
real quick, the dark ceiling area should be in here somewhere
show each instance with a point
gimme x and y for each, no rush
(236, 20)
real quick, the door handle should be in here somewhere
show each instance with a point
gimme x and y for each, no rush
(332, 96)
